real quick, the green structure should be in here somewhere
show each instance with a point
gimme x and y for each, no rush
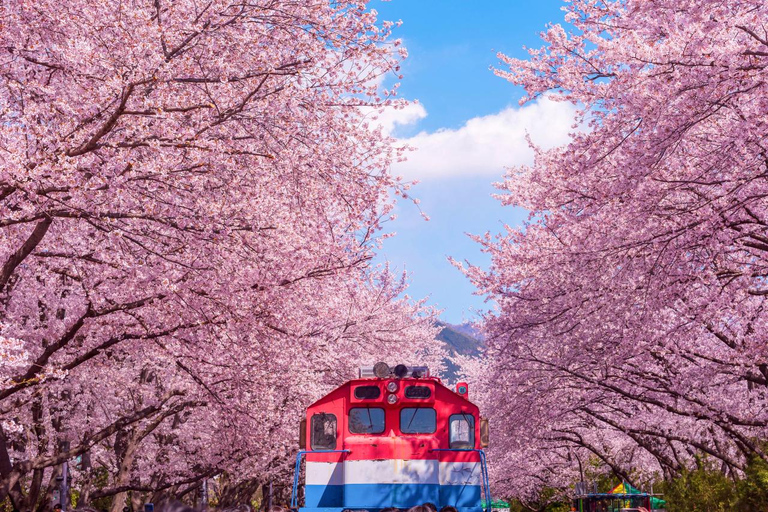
(496, 504)
(623, 496)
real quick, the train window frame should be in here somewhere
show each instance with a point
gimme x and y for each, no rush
(434, 422)
(367, 388)
(369, 409)
(315, 444)
(419, 389)
(461, 444)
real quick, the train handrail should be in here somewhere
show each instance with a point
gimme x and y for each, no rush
(483, 468)
(297, 470)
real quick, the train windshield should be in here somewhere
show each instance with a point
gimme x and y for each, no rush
(366, 420)
(418, 420)
(462, 428)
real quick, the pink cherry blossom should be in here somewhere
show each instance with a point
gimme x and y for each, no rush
(189, 204)
(631, 322)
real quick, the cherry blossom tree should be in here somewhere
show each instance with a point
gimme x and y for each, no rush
(630, 325)
(190, 197)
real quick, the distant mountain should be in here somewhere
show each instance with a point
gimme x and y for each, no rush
(469, 330)
(458, 340)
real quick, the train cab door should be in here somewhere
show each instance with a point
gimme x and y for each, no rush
(462, 471)
(324, 473)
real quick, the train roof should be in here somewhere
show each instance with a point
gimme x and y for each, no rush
(421, 379)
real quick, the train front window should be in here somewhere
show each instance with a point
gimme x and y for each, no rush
(417, 392)
(367, 392)
(366, 420)
(323, 431)
(462, 431)
(418, 420)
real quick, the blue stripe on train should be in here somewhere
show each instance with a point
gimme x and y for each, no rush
(342, 509)
(372, 496)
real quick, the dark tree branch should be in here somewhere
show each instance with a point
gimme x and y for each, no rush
(103, 493)
(107, 126)
(17, 257)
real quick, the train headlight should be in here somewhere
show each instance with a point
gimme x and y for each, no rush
(391, 399)
(392, 386)
(381, 370)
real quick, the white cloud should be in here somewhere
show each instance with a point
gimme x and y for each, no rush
(484, 145)
(410, 114)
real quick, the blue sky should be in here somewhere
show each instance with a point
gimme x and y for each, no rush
(452, 44)
(468, 127)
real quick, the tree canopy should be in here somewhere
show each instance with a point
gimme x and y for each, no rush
(631, 319)
(190, 193)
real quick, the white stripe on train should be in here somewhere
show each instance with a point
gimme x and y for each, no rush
(394, 471)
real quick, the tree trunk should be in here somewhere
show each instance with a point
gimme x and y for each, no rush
(34, 490)
(42, 446)
(46, 504)
(232, 495)
(85, 489)
(124, 473)
(137, 501)
(14, 489)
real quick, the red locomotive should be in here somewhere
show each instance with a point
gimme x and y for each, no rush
(393, 438)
